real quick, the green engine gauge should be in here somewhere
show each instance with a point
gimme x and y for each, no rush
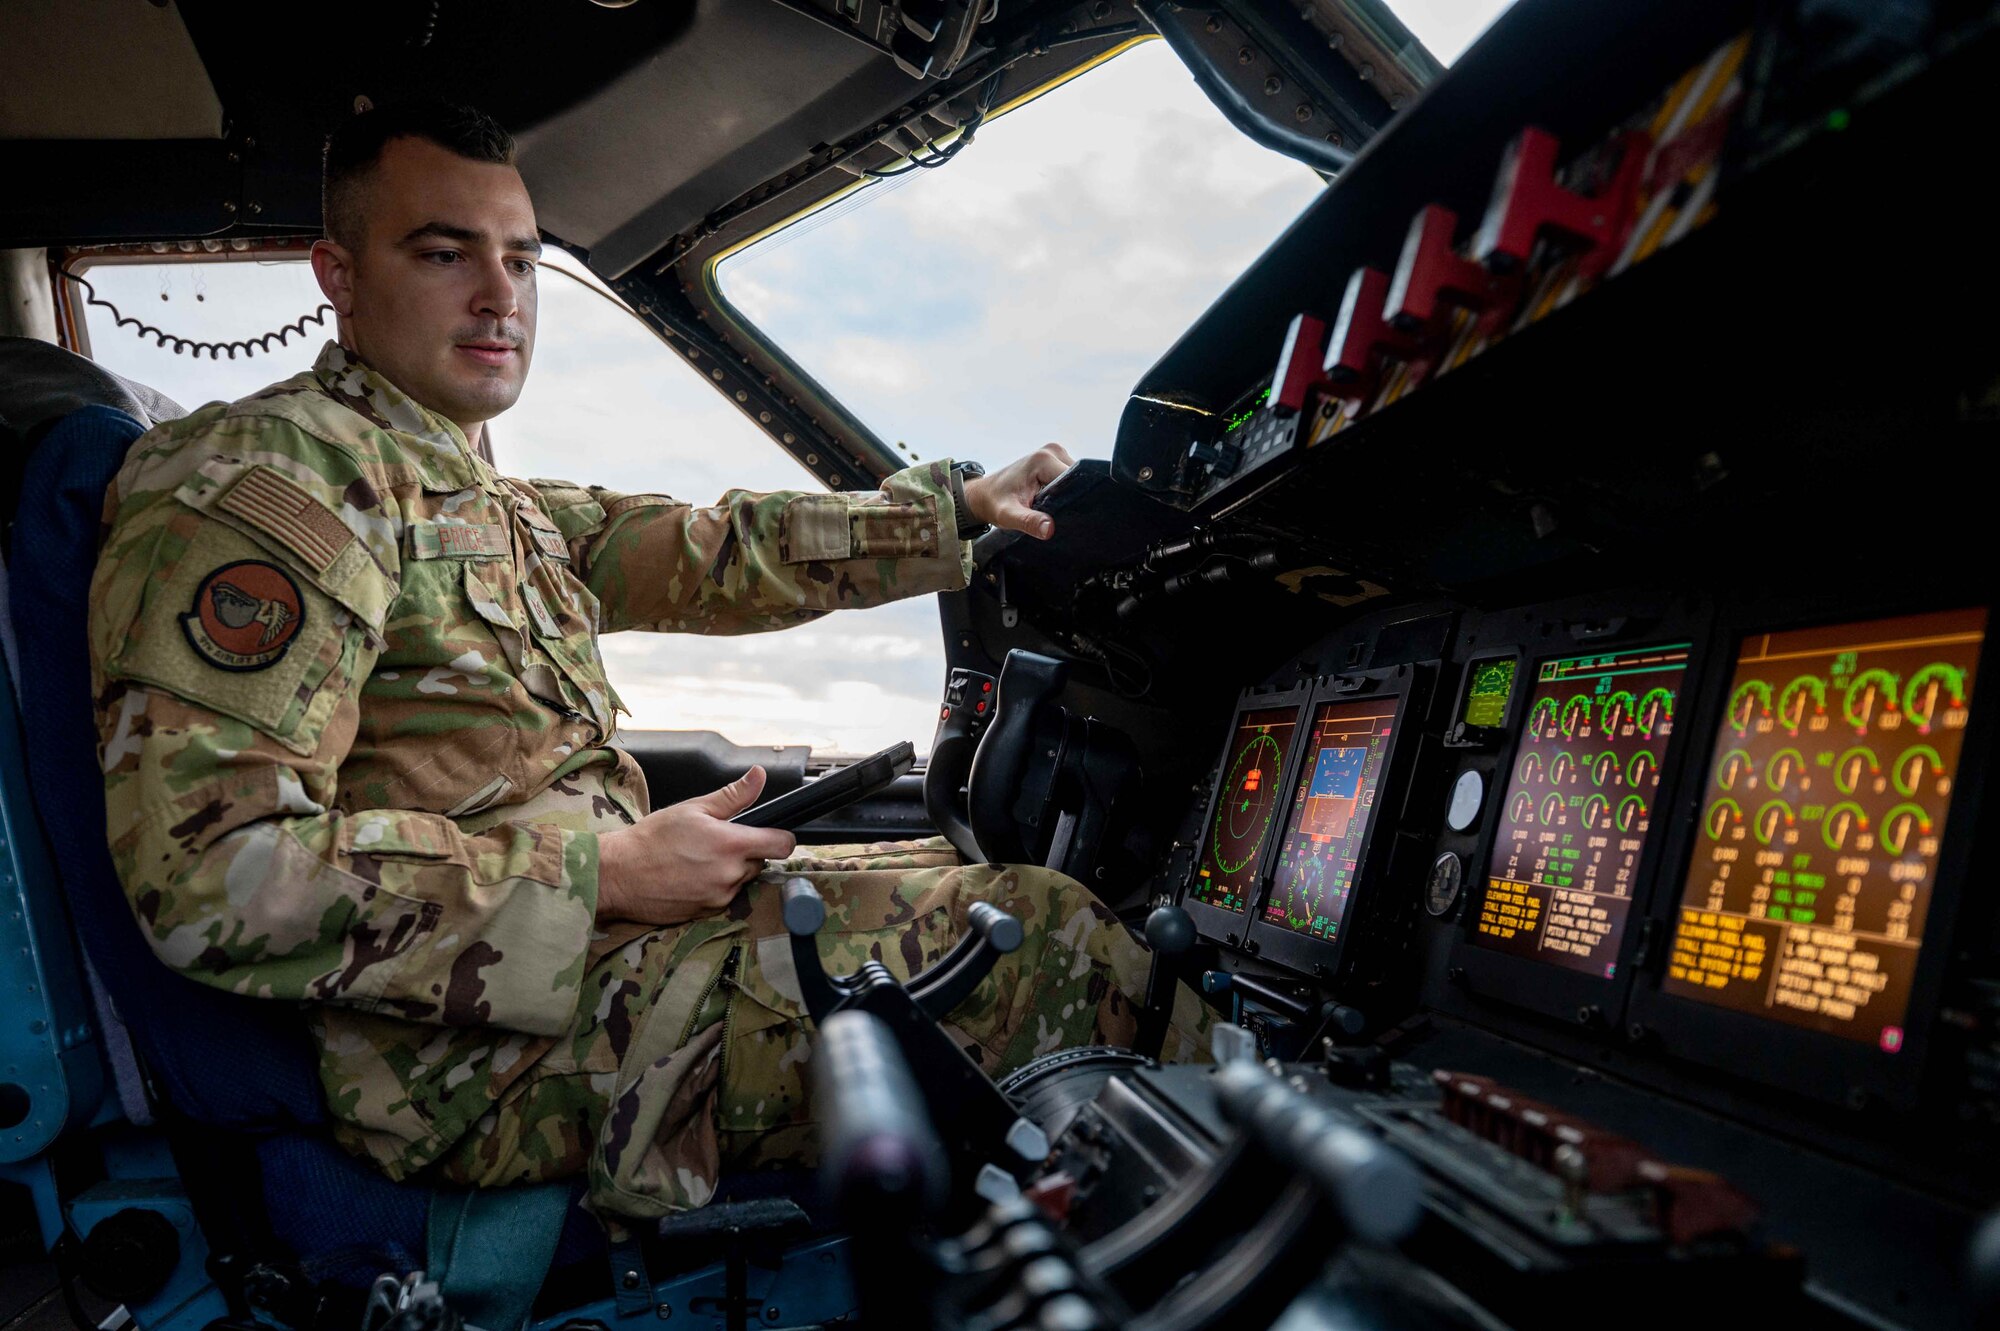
(1803, 699)
(1937, 686)
(1869, 694)
(1751, 700)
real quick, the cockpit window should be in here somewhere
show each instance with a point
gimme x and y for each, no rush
(1014, 295)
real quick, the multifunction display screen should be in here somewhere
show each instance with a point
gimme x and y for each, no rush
(1486, 694)
(1244, 805)
(1821, 821)
(1579, 807)
(1331, 807)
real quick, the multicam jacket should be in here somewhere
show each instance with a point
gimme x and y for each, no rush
(356, 726)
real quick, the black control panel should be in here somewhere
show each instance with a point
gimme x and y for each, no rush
(1638, 893)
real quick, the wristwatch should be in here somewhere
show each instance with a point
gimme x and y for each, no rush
(969, 527)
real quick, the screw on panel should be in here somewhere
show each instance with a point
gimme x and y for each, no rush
(1273, 86)
(1302, 112)
(1245, 56)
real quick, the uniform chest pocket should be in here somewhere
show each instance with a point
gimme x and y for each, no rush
(541, 614)
(562, 615)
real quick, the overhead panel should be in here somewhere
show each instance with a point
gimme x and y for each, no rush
(743, 96)
(146, 80)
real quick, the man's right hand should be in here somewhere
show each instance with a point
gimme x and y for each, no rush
(687, 860)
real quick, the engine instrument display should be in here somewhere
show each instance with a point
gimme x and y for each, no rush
(1821, 821)
(1244, 804)
(1579, 806)
(1330, 810)
(1486, 695)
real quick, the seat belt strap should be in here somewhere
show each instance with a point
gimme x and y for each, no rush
(631, 1286)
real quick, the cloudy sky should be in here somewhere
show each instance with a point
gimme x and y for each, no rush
(978, 311)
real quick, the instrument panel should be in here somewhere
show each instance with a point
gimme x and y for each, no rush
(1704, 821)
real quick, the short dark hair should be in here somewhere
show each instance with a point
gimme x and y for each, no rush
(353, 150)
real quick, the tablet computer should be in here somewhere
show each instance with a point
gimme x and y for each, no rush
(836, 790)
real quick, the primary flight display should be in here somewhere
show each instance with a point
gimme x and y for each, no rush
(1339, 779)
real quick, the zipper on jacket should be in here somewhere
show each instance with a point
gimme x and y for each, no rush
(725, 971)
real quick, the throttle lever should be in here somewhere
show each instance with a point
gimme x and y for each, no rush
(991, 934)
(880, 1158)
(804, 911)
(1171, 932)
(981, 1124)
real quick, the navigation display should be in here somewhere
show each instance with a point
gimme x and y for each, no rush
(1331, 808)
(1244, 804)
(1821, 821)
(1486, 696)
(1579, 807)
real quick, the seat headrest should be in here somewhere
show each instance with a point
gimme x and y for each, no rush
(40, 383)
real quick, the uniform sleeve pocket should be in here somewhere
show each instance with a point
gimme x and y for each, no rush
(230, 629)
(823, 528)
(299, 523)
(896, 531)
(814, 529)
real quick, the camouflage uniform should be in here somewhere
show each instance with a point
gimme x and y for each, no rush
(355, 738)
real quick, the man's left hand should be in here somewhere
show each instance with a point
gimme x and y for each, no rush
(1006, 497)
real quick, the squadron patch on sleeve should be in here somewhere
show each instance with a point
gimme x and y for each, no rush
(245, 616)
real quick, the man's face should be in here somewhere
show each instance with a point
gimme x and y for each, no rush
(440, 296)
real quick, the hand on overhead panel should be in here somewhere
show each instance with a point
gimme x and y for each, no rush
(1006, 497)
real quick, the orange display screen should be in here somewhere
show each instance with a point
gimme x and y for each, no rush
(1821, 822)
(1579, 807)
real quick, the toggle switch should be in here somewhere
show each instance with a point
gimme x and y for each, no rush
(1360, 334)
(1432, 276)
(1527, 201)
(1301, 365)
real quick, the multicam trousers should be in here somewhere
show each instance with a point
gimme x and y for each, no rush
(689, 1052)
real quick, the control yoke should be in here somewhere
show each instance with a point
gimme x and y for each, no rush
(989, 1144)
(1017, 777)
(1019, 757)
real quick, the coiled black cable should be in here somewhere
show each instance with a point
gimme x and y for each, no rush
(186, 346)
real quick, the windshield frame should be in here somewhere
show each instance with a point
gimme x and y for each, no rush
(761, 354)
